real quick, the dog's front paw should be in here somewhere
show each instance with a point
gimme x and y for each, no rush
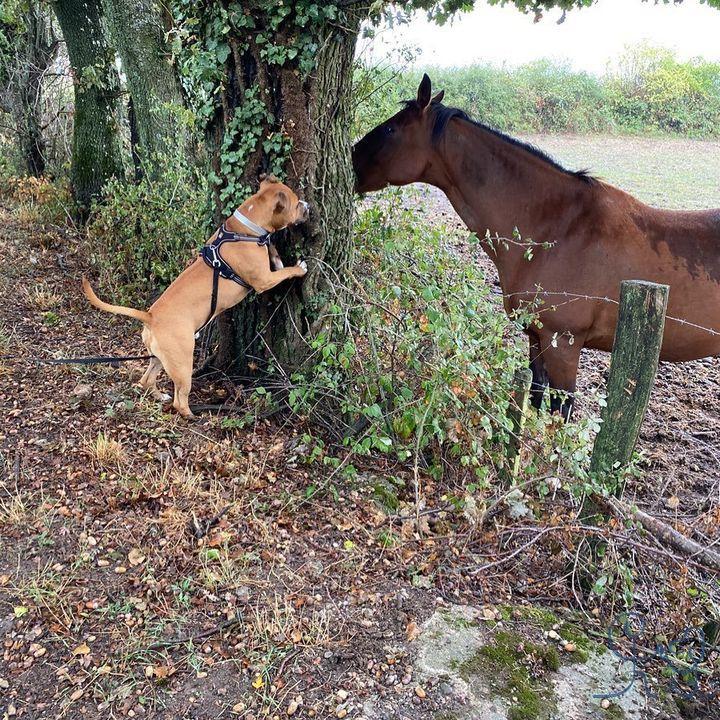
(302, 265)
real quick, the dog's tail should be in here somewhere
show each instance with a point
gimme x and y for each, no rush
(116, 309)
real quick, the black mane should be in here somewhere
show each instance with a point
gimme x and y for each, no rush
(443, 115)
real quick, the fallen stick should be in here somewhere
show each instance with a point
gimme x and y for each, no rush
(661, 531)
(198, 636)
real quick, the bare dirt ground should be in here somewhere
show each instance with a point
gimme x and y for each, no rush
(151, 567)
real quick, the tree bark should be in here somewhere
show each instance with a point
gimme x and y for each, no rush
(96, 153)
(138, 34)
(34, 50)
(314, 112)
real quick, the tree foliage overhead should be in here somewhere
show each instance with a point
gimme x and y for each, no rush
(445, 8)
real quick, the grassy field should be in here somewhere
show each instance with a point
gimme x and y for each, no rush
(671, 173)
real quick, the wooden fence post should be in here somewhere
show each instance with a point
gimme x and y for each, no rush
(517, 413)
(636, 350)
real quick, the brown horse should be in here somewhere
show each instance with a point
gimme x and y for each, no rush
(597, 235)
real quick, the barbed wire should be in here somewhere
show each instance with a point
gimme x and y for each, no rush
(578, 296)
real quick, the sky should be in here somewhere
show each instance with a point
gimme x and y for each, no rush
(589, 38)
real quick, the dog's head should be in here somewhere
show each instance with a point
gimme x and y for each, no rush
(280, 205)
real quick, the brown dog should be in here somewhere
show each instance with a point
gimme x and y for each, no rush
(172, 321)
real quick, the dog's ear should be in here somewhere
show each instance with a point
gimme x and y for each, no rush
(262, 177)
(281, 201)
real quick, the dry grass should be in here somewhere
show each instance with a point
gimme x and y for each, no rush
(40, 297)
(105, 451)
(49, 589)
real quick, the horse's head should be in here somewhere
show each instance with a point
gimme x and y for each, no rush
(397, 151)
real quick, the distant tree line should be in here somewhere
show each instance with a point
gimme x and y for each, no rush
(647, 91)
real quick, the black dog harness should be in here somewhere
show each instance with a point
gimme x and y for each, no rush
(210, 253)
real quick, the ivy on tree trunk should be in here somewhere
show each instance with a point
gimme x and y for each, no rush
(280, 79)
(96, 151)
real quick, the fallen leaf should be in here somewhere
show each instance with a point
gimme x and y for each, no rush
(135, 557)
(82, 649)
(20, 610)
(162, 671)
(673, 503)
(412, 631)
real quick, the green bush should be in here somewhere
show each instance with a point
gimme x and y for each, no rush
(649, 92)
(141, 236)
(417, 359)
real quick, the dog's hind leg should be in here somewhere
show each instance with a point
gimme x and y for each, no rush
(148, 381)
(176, 356)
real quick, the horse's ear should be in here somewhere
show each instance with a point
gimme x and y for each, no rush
(438, 98)
(424, 92)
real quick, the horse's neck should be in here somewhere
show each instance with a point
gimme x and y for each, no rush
(494, 186)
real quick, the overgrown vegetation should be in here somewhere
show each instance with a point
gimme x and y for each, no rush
(647, 91)
(140, 236)
(417, 358)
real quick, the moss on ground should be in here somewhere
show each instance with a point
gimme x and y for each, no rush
(546, 619)
(506, 660)
(460, 623)
(614, 712)
(584, 646)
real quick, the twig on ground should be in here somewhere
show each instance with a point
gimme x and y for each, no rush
(198, 636)
(201, 529)
(662, 532)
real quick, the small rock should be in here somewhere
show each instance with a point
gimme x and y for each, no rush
(292, 708)
(605, 704)
(570, 647)
(420, 692)
(342, 694)
(81, 394)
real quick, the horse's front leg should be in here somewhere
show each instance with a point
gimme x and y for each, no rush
(560, 356)
(539, 374)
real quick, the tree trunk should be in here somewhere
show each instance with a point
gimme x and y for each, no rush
(299, 128)
(34, 49)
(138, 34)
(96, 153)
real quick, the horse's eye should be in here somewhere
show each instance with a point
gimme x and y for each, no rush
(389, 129)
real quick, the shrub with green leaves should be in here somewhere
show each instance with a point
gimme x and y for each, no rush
(418, 356)
(141, 236)
(649, 91)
